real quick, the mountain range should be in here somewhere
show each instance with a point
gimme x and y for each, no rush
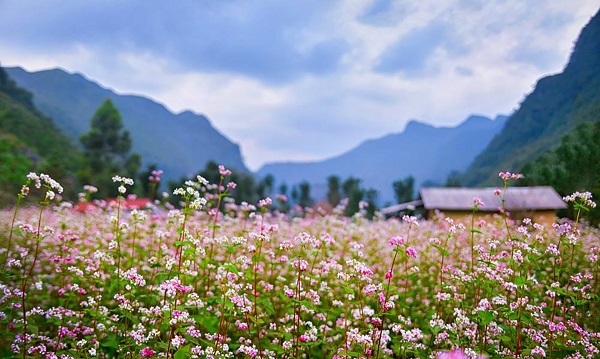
(423, 151)
(180, 144)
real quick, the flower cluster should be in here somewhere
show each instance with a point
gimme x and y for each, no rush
(155, 176)
(122, 182)
(191, 193)
(582, 198)
(505, 176)
(250, 282)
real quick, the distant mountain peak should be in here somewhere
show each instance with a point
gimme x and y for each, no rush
(423, 151)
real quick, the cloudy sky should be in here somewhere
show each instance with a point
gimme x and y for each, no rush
(303, 79)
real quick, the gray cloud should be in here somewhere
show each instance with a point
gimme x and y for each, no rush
(302, 79)
(410, 54)
(379, 13)
(260, 39)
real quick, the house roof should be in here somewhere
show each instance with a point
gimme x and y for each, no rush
(517, 198)
(400, 207)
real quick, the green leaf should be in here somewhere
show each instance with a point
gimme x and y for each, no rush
(33, 329)
(485, 316)
(267, 305)
(442, 250)
(347, 289)
(110, 342)
(505, 339)
(18, 232)
(182, 352)
(232, 268)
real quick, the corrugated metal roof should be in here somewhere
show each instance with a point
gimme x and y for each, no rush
(517, 198)
(400, 207)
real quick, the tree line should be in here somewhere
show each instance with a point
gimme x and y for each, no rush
(107, 151)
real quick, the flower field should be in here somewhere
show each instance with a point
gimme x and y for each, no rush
(251, 282)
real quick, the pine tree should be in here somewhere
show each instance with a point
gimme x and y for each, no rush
(107, 149)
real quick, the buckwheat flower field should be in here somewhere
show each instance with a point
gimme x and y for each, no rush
(250, 282)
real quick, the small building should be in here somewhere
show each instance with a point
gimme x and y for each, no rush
(538, 203)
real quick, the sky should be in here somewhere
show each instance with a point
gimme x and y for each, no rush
(303, 80)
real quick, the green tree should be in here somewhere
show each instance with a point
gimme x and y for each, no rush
(354, 193)
(404, 189)
(333, 192)
(283, 205)
(453, 179)
(574, 166)
(371, 199)
(246, 187)
(107, 149)
(265, 186)
(295, 195)
(304, 199)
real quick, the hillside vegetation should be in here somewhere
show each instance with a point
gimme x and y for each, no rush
(558, 104)
(29, 141)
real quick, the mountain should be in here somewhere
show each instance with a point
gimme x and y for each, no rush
(557, 105)
(425, 152)
(30, 141)
(180, 144)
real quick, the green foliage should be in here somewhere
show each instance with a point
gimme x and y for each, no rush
(106, 147)
(453, 180)
(31, 140)
(574, 166)
(265, 186)
(558, 104)
(404, 189)
(14, 166)
(333, 190)
(304, 199)
(354, 193)
(17, 94)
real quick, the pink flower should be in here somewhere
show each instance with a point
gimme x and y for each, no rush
(223, 171)
(147, 352)
(265, 202)
(411, 252)
(455, 354)
(507, 175)
(477, 202)
(397, 241)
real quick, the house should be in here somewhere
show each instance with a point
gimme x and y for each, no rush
(538, 203)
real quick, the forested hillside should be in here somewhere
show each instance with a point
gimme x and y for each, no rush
(29, 141)
(574, 166)
(178, 143)
(558, 104)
